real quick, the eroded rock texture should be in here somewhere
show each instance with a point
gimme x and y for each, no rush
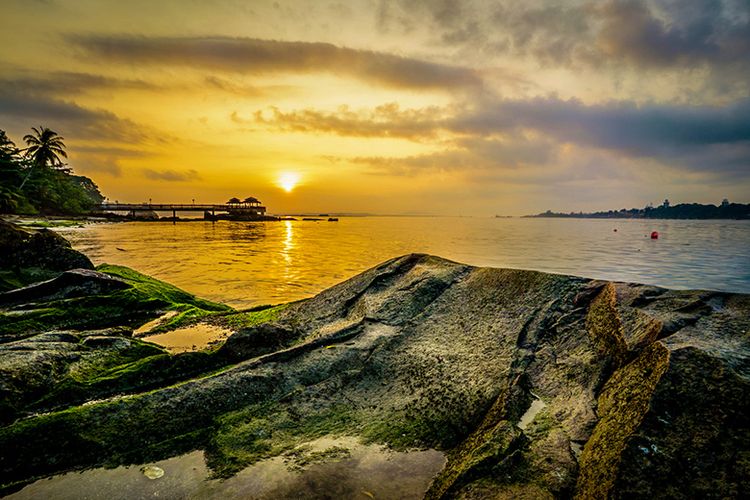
(535, 385)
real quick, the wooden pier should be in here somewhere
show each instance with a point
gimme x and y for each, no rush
(240, 210)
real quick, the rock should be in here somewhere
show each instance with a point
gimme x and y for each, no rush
(73, 283)
(42, 249)
(105, 341)
(145, 215)
(28, 257)
(36, 366)
(258, 340)
(645, 390)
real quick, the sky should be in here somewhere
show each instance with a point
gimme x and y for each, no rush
(445, 107)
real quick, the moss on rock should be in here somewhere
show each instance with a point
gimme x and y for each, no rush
(623, 403)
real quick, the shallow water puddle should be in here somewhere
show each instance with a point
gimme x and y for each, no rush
(528, 417)
(189, 338)
(366, 471)
(147, 327)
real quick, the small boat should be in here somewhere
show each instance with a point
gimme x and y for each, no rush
(333, 219)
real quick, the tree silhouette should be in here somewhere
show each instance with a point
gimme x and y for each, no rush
(8, 148)
(45, 147)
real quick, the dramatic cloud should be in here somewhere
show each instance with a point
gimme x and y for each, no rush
(649, 96)
(674, 33)
(171, 175)
(644, 33)
(255, 56)
(65, 83)
(659, 131)
(25, 110)
(471, 156)
(715, 138)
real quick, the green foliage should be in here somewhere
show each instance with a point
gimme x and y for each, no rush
(37, 183)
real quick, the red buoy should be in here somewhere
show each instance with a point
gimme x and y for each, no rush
(655, 235)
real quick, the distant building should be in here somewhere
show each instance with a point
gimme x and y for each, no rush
(725, 202)
(665, 204)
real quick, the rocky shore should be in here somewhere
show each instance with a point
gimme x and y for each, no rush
(533, 385)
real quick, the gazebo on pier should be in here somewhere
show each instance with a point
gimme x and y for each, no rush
(249, 207)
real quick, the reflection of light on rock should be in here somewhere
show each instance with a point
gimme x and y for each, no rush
(152, 471)
(528, 417)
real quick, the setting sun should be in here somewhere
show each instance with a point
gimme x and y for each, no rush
(288, 180)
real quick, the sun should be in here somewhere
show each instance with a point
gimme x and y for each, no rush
(288, 180)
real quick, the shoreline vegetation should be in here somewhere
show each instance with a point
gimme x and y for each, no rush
(35, 180)
(533, 385)
(724, 211)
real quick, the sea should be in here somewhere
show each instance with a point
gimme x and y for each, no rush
(245, 264)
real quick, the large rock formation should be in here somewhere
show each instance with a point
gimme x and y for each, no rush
(31, 256)
(535, 385)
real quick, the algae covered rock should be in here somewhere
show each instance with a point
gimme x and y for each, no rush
(70, 284)
(31, 256)
(533, 385)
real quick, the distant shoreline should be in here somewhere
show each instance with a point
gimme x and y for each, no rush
(683, 211)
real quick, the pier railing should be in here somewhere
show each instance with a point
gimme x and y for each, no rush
(185, 207)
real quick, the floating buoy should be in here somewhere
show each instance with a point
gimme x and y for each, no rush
(655, 235)
(615, 230)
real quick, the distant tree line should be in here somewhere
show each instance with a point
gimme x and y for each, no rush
(725, 210)
(35, 180)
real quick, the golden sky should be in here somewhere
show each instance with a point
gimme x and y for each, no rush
(438, 107)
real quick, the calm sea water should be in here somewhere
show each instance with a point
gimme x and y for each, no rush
(245, 264)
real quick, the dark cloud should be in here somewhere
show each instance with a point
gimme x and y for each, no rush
(68, 83)
(254, 56)
(171, 175)
(672, 33)
(647, 130)
(650, 130)
(470, 155)
(653, 34)
(528, 131)
(102, 159)
(27, 109)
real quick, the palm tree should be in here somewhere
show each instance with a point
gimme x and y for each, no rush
(45, 147)
(7, 147)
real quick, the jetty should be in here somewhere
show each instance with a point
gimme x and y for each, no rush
(235, 209)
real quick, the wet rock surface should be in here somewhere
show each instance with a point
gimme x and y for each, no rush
(32, 256)
(644, 390)
(70, 284)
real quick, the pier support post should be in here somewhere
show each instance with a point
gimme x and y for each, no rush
(174, 216)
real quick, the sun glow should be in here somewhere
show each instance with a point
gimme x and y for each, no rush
(288, 180)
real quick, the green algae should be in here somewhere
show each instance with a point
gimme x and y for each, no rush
(605, 326)
(251, 317)
(624, 401)
(145, 299)
(492, 446)
(149, 290)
